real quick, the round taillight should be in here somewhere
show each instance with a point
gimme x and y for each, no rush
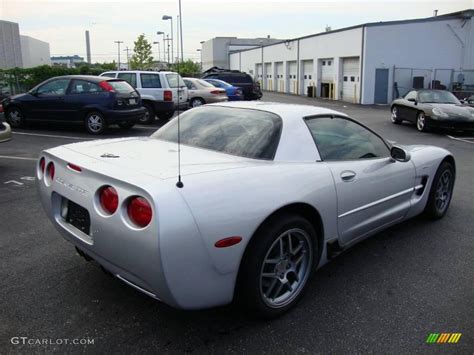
(51, 171)
(139, 211)
(42, 165)
(108, 197)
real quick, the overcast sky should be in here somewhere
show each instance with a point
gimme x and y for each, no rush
(62, 22)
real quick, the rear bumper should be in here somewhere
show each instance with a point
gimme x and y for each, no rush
(119, 116)
(169, 106)
(216, 99)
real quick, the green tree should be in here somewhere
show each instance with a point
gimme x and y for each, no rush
(187, 68)
(141, 58)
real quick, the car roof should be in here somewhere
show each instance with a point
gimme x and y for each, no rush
(139, 72)
(285, 111)
(93, 78)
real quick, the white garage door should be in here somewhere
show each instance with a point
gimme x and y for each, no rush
(350, 80)
(279, 79)
(268, 76)
(308, 79)
(292, 81)
(259, 74)
(327, 70)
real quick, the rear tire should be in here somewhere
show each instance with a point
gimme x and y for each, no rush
(165, 115)
(196, 102)
(149, 116)
(441, 192)
(15, 117)
(95, 122)
(277, 265)
(395, 116)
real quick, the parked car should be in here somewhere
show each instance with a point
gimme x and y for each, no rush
(162, 92)
(200, 92)
(93, 101)
(432, 109)
(259, 207)
(237, 78)
(5, 132)
(233, 93)
(469, 101)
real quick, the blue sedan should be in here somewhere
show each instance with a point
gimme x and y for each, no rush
(233, 93)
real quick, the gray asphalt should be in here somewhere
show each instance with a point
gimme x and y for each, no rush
(385, 295)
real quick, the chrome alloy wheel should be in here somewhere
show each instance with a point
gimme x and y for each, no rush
(421, 122)
(444, 190)
(14, 116)
(286, 268)
(394, 114)
(95, 123)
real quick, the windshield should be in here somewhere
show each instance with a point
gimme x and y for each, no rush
(173, 80)
(121, 86)
(437, 96)
(244, 132)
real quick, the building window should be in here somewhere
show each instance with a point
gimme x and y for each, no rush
(352, 78)
(309, 77)
(345, 78)
(306, 77)
(324, 62)
(329, 62)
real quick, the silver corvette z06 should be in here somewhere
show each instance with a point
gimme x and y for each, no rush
(270, 193)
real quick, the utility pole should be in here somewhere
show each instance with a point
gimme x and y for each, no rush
(128, 59)
(166, 17)
(181, 32)
(118, 44)
(168, 45)
(177, 38)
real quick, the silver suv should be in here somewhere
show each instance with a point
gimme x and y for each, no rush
(162, 92)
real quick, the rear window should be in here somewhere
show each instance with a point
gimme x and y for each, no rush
(150, 81)
(109, 75)
(243, 132)
(121, 86)
(173, 80)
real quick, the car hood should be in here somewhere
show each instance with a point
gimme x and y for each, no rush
(158, 158)
(454, 110)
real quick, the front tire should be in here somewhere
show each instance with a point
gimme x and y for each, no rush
(277, 265)
(15, 117)
(95, 123)
(395, 116)
(441, 192)
(421, 122)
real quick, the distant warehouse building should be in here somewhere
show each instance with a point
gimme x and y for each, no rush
(34, 52)
(369, 63)
(10, 47)
(70, 61)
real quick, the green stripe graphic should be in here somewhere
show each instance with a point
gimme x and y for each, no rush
(432, 338)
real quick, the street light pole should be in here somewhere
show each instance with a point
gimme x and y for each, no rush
(158, 46)
(128, 59)
(118, 44)
(166, 17)
(168, 45)
(164, 42)
(181, 30)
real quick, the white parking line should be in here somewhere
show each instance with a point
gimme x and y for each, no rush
(465, 140)
(50, 135)
(17, 158)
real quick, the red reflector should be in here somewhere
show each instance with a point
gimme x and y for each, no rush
(51, 171)
(106, 86)
(168, 95)
(139, 211)
(74, 167)
(108, 197)
(42, 164)
(227, 242)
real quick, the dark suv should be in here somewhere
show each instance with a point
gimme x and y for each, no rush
(93, 101)
(251, 89)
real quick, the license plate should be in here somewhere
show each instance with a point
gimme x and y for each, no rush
(132, 101)
(79, 217)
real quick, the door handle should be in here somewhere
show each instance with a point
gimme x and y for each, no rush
(348, 175)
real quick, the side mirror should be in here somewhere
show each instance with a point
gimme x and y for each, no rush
(399, 154)
(413, 100)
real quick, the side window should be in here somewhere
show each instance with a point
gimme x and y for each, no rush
(190, 85)
(411, 95)
(130, 78)
(54, 87)
(84, 87)
(342, 139)
(150, 81)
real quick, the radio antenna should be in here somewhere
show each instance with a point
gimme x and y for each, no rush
(179, 184)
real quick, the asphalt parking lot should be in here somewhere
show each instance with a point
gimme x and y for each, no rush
(385, 295)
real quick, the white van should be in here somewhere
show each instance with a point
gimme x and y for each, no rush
(162, 92)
